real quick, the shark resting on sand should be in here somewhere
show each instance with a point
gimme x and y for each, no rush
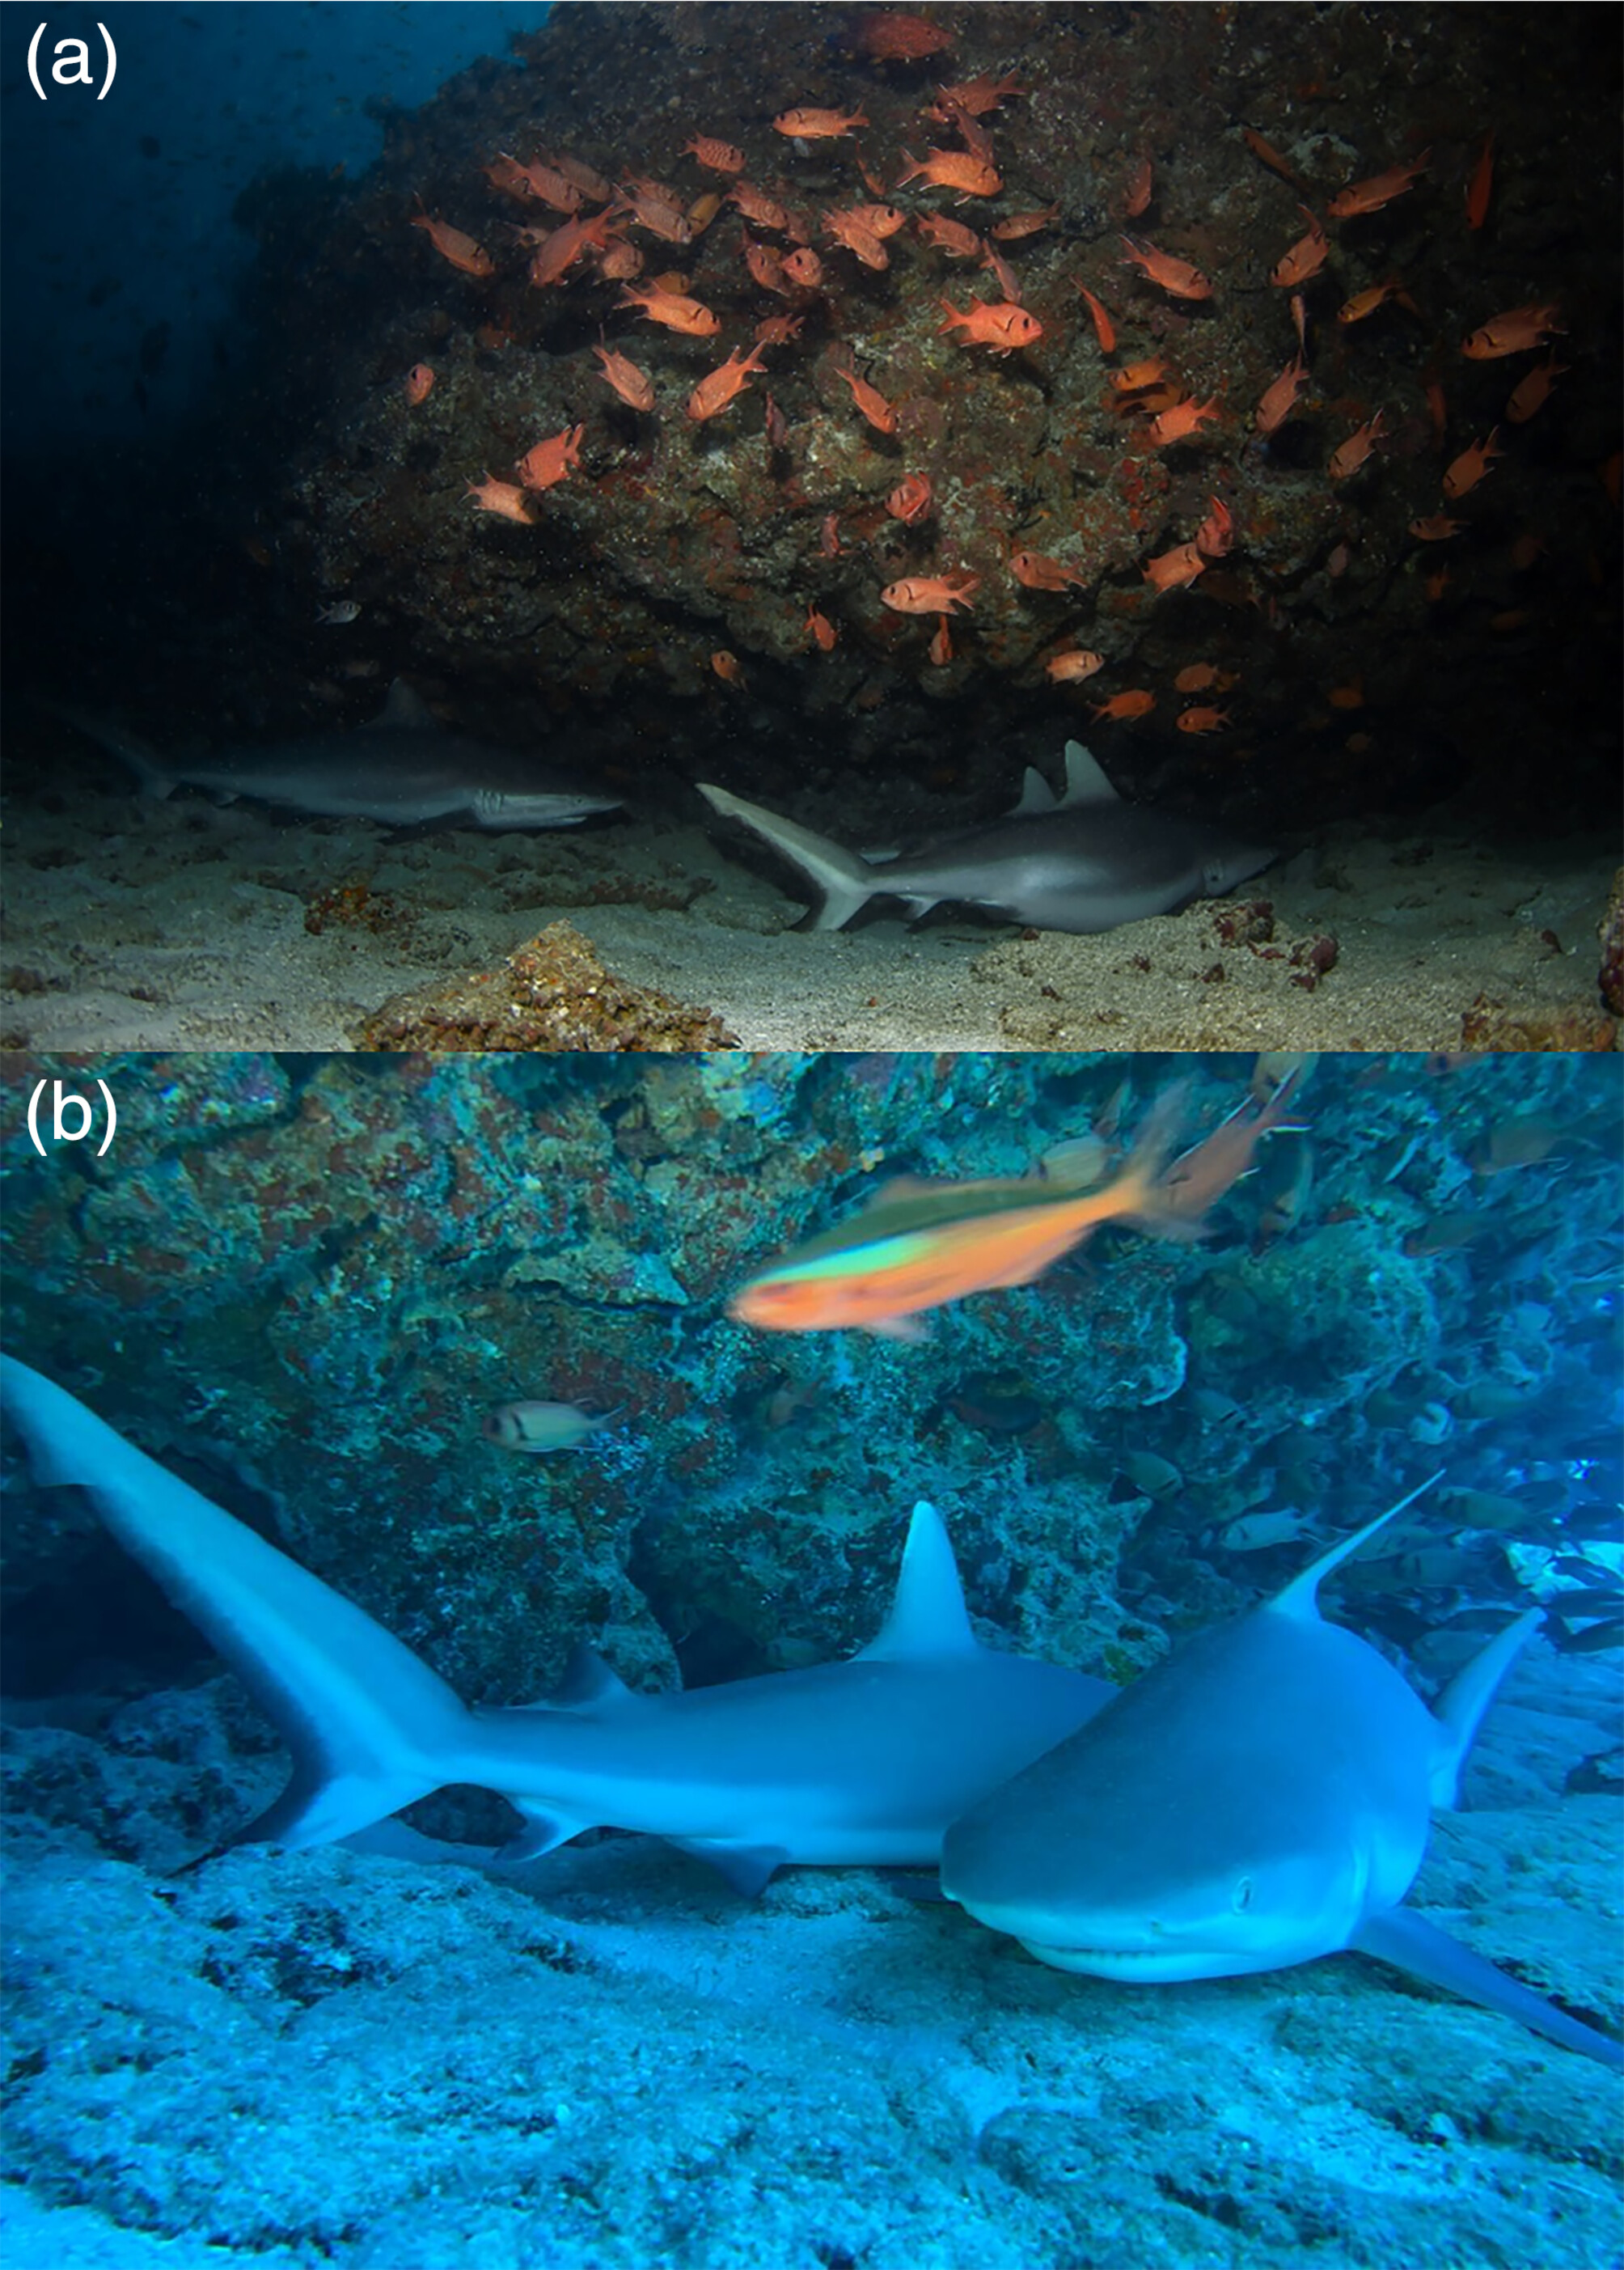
(860, 1763)
(401, 769)
(1260, 1798)
(1086, 863)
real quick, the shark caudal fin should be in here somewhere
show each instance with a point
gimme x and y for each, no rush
(371, 1727)
(155, 775)
(846, 881)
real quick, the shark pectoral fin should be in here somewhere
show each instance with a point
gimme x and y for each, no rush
(543, 1832)
(1410, 1943)
(748, 1867)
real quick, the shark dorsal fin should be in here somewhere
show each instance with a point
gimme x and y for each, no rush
(1035, 795)
(589, 1683)
(1084, 782)
(404, 711)
(927, 1615)
(1297, 1599)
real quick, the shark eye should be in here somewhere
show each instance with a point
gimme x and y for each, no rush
(1242, 1894)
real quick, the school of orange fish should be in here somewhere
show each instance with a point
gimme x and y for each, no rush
(748, 237)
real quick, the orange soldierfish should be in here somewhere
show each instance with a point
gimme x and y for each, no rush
(1174, 276)
(1202, 721)
(919, 1245)
(1135, 703)
(1514, 332)
(810, 125)
(1182, 420)
(870, 401)
(1303, 259)
(848, 228)
(1280, 399)
(1138, 190)
(1467, 470)
(715, 157)
(952, 170)
(1215, 536)
(1481, 186)
(1381, 189)
(910, 501)
(930, 595)
(633, 386)
(1200, 1179)
(552, 460)
(895, 36)
(1168, 569)
(1352, 453)
(1529, 395)
(821, 630)
(1266, 154)
(1104, 330)
(420, 380)
(1138, 377)
(1024, 224)
(758, 208)
(676, 314)
(1375, 296)
(949, 236)
(463, 251)
(977, 96)
(715, 392)
(1070, 667)
(1039, 572)
(940, 648)
(1001, 326)
(503, 498)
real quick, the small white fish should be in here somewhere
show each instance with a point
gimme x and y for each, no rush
(341, 610)
(1257, 1532)
(537, 1429)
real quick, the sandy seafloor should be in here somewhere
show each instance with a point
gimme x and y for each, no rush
(135, 921)
(608, 2059)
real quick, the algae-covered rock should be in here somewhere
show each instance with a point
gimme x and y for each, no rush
(552, 994)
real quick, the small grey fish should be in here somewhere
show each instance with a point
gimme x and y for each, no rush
(342, 611)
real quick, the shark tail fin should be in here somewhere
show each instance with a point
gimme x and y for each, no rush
(155, 777)
(370, 1726)
(1459, 1708)
(846, 881)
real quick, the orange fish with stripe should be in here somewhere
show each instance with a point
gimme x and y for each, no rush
(919, 1245)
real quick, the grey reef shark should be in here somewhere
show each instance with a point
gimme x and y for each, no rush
(402, 769)
(1083, 862)
(859, 1763)
(1260, 1798)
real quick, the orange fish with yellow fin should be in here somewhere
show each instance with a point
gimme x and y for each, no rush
(918, 1245)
